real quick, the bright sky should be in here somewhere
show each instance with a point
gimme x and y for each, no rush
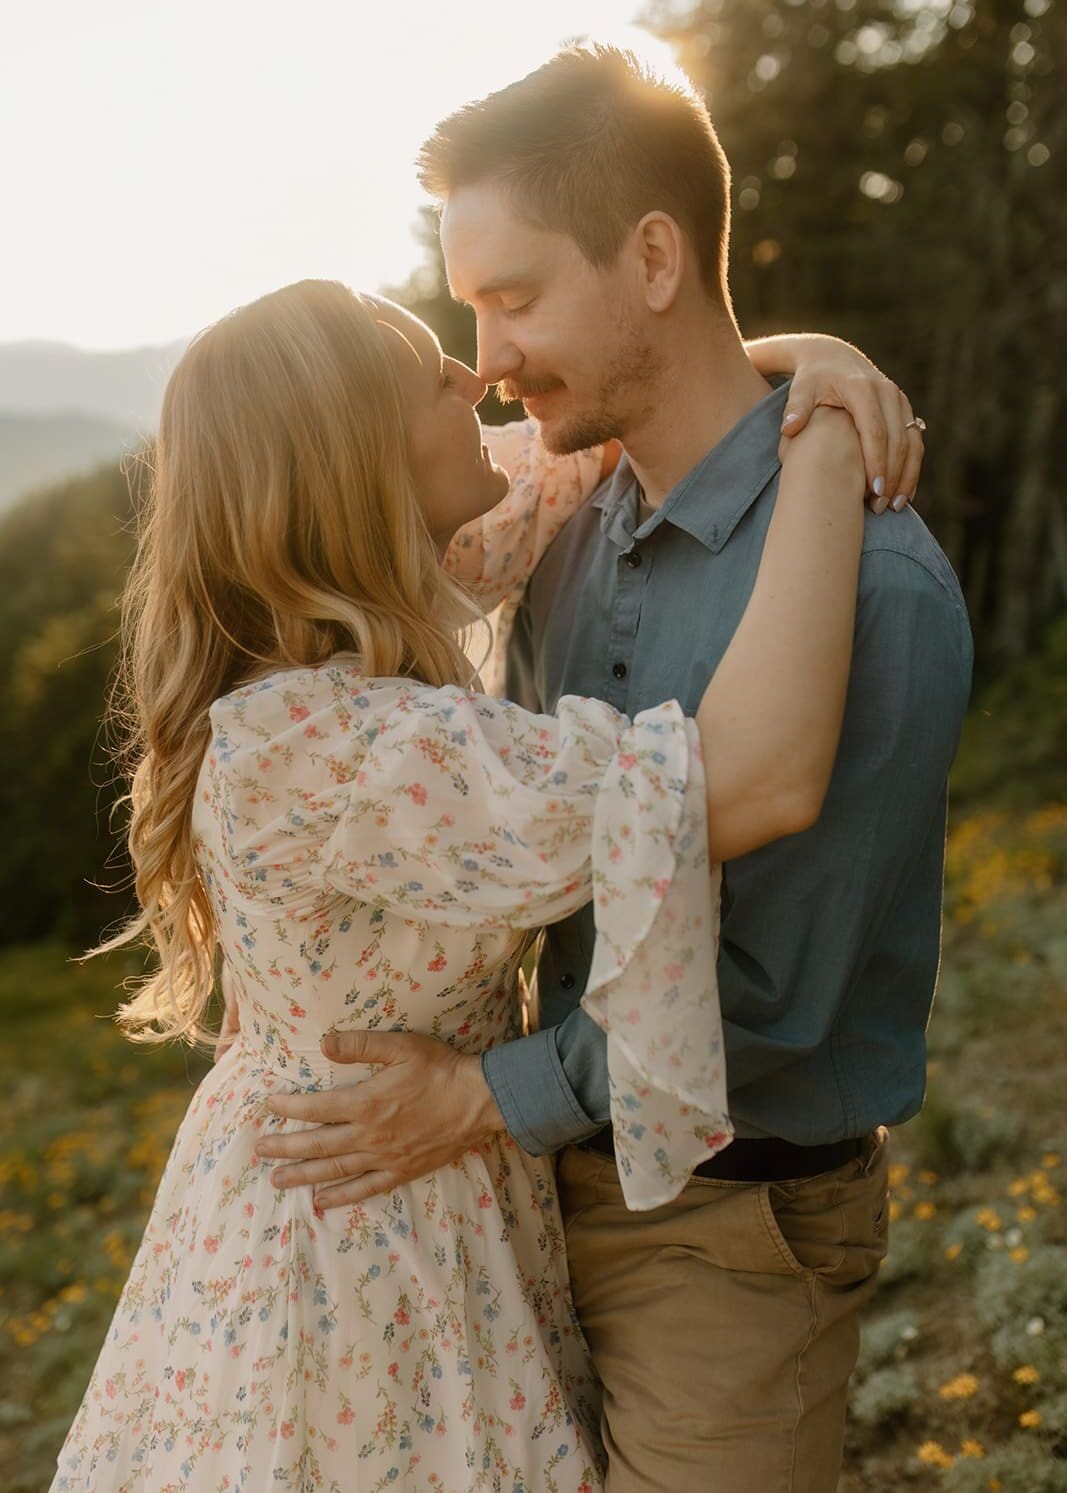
(164, 162)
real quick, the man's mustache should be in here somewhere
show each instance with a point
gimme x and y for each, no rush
(508, 390)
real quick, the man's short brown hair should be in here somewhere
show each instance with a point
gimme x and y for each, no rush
(589, 143)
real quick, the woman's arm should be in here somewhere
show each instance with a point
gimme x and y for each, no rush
(830, 372)
(496, 553)
(771, 716)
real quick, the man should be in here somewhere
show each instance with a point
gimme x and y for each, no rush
(585, 219)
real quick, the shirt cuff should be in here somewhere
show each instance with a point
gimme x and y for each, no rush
(539, 1106)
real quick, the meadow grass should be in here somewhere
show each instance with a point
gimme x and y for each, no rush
(962, 1383)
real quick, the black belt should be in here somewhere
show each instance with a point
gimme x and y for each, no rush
(758, 1160)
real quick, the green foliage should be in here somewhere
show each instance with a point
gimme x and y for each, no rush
(63, 561)
(884, 1396)
(899, 178)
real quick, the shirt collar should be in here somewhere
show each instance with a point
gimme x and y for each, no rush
(714, 496)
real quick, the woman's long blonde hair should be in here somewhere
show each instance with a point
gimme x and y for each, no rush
(280, 528)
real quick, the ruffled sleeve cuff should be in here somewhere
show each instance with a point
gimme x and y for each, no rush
(652, 986)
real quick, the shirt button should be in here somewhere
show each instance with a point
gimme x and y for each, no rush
(566, 981)
(619, 670)
(633, 559)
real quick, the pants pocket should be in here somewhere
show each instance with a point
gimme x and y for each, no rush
(834, 1226)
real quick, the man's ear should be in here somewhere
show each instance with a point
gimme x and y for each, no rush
(661, 250)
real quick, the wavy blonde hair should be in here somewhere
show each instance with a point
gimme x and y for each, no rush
(280, 527)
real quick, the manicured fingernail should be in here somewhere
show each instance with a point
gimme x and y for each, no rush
(880, 504)
(790, 417)
(878, 487)
(900, 502)
(319, 1211)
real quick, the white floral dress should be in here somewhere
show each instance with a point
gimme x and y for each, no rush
(373, 850)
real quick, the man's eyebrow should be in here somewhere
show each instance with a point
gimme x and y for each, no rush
(497, 285)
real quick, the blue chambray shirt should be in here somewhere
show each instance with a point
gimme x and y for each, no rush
(830, 938)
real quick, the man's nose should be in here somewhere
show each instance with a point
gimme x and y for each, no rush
(498, 358)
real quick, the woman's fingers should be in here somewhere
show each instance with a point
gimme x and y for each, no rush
(798, 409)
(895, 412)
(909, 476)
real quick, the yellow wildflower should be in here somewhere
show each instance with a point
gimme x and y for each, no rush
(960, 1388)
(1018, 1187)
(928, 1178)
(953, 1251)
(989, 1218)
(1026, 1214)
(934, 1455)
(972, 1449)
(925, 1210)
(1051, 1158)
(1030, 1418)
(1026, 1374)
(1020, 1254)
(897, 1172)
(895, 1210)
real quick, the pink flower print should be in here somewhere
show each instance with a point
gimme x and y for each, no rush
(674, 971)
(295, 1010)
(401, 1317)
(661, 887)
(615, 854)
(437, 963)
(394, 1370)
(298, 712)
(627, 760)
(417, 793)
(518, 1400)
(485, 1199)
(346, 1416)
(179, 1380)
(286, 1429)
(211, 1243)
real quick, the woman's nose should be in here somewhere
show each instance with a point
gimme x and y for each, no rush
(476, 387)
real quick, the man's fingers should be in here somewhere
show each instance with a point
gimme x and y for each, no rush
(332, 1169)
(366, 1047)
(348, 1194)
(306, 1145)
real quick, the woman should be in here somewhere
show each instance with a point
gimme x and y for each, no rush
(321, 798)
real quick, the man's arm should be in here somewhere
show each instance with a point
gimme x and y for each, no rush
(780, 997)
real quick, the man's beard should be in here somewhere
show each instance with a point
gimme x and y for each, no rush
(624, 394)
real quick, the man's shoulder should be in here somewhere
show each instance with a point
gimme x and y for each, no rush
(900, 545)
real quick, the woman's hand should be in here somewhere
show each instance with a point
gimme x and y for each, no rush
(829, 372)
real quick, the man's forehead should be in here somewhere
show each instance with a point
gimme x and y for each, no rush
(487, 246)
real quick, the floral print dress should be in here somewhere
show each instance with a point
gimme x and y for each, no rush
(375, 850)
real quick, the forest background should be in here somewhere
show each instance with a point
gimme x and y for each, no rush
(899, 180)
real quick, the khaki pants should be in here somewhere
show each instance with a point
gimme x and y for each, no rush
(724, 1324)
